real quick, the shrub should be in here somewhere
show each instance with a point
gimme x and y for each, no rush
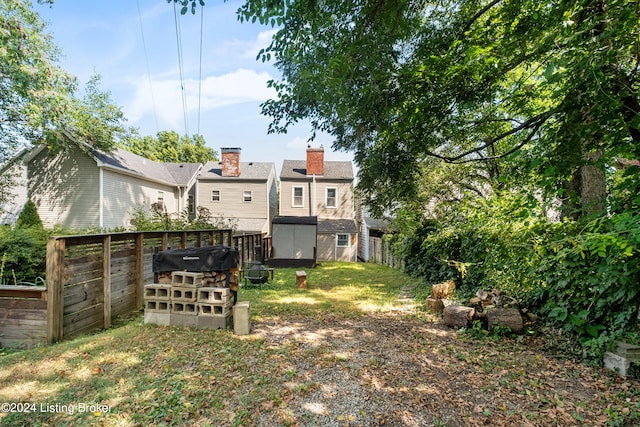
(29, 216)
(24, 255)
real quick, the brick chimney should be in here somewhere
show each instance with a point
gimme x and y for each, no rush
(230, 161)
(315, 161)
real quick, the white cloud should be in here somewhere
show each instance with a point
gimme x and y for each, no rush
(237, 87)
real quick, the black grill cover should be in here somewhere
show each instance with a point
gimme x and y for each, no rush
(208, 258)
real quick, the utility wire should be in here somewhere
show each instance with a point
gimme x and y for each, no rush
(200, 67)
(146, 58)
(180, 65)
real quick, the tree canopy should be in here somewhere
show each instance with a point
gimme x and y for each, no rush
(514, 87)
(168, 146)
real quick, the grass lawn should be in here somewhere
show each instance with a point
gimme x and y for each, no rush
(397, 365)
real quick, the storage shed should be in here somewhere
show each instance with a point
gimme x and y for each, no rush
(294, 241)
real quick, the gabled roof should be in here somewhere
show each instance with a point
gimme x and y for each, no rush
(333, 170)
(254, 171)
(174, 174)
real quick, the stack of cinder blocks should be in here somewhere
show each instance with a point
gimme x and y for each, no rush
(187, 302)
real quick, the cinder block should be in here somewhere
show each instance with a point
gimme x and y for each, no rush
(617, 363)
(189, 308)
(219, 310)
(214, 295)
(183, 294)
(213, 322)
(160, 306)
(242, 318)
(630, 351)
(157, 292)
(157, 318)
(186, 320)
(187, 279)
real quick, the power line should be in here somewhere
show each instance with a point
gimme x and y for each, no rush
(200, 67)
(180, 65)
(146, 58)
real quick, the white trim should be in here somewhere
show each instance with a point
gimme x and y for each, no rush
(101, 201)
(348, 240)
(244, 196)
(293, 196)
(335, 198)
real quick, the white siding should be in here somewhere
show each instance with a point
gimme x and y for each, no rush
(65, 188)
(315, 198)
(123, 194)
(18, 194)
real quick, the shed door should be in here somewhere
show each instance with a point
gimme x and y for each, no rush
(294, 241)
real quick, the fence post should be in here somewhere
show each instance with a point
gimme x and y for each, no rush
(55, 284)
(106, 281)
(139, 270)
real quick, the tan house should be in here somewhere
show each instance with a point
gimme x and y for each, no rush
(246, 193)
(323, 189)
(82, 187)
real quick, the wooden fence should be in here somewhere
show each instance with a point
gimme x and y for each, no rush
(92, 279)
(381, 252)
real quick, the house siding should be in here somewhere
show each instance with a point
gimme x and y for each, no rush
(231, 204)
(123, 194)
(10, 211)
(63, 187)
(329, 251)
(344, 203)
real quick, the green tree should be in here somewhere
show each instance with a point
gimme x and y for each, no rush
(168, 146)
(29, 216)
(34, 92)
(518, 86)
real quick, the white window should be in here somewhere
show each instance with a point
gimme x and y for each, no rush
(160, 197)
(342, 240)
(247, 196)
(215, 195)
(331, 199)
(298, 197)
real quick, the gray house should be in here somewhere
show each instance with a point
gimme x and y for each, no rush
(245, 193)
(323, 189)
(84, 187)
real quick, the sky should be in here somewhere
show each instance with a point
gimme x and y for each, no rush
(133, 45)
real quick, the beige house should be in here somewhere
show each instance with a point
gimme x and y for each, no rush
(83, 187)
(244, 193)
(323, 189)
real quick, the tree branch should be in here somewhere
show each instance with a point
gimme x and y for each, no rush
(478, 14)
(534, 122)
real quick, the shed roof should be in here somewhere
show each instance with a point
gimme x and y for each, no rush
(337, 226)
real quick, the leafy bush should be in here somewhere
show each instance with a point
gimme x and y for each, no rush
(24, 255)
(582, 276)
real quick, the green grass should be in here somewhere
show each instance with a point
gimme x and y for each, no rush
(345, 289)
(154, 375)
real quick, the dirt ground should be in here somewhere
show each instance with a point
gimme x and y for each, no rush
(394, 369)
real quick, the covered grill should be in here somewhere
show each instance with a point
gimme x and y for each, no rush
(208, 258)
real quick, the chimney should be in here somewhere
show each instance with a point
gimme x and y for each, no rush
(230, 161)
(315, 161)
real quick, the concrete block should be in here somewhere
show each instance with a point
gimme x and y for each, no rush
(205, 309)
(213, 322)
(214, 295)
(157, 318)
(627, 350)
(160, 306)
(189, 308)
(157, 292)
(185, 320)
(183, 294)
(242, 318)
(187, 279)
(616, 363)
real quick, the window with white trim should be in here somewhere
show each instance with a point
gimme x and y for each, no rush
(298, 197)
(215, 195)
(342, 240)
(331, 199)
(247, 196)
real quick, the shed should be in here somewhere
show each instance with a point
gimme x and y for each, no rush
(294, 241)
